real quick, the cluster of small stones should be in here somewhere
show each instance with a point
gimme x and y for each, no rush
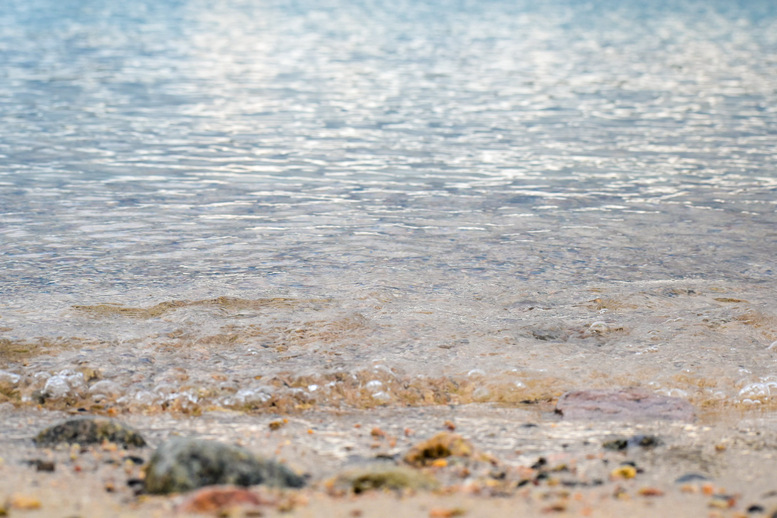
(213, 475)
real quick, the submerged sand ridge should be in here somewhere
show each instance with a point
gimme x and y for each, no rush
(701, 341)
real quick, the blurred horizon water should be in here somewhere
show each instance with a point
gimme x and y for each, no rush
(226, 204)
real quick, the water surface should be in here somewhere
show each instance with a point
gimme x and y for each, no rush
(262, 203)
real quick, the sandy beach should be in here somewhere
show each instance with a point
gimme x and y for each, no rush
(538, 464)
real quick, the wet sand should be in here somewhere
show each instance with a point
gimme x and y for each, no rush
(542, 464)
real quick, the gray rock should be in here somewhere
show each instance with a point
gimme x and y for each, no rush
(183, 464)
(89, 430)
(625, 404)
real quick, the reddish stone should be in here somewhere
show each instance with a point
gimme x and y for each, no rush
(626, 404)
(212, 499)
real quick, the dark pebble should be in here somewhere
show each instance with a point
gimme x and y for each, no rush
(755, 508)
(690, 477)
(89, 430)
(616, 444)
(182, 464)
(43, 465)
(641, 441)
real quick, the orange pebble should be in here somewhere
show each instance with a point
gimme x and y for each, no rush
(439, 512)
(24, 502)
(650, 491)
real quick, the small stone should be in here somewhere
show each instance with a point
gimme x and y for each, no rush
(616, 444)
(624, 472)
(277, 424)
(631, 404)
(691, 477)
(383, 476)
(446, 512)
(723, 501)
(650, 491)
(90, 430)
(43, 465)
(24, 502)
(213, 499)
(440, 446)
(641, 441)
(183, 464)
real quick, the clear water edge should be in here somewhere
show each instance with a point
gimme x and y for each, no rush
(482, 203)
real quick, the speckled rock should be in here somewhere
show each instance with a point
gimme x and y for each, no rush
(183, 464)
(631, 404)
(89, 430)
(382, 475)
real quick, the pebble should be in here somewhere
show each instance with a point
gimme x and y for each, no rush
(183, 464)
(24, 502)
(383, 476)
(442, 445)
(642, 441)
(213, 499)
(90, 430)
(691, 477)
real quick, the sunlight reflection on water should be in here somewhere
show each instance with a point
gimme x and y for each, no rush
(461, 183)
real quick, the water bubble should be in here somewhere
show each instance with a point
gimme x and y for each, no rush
(673, 392)
(379, 367)
(772, 347)
(144, 398)
(374, 384)
(382, 396)
(476, 372)
(755, 390)
(56, 388)
(9, 378)
(481, 393)
(718, 394)
(65, 384)
(248, 396)
(104, 389)
(313, 387)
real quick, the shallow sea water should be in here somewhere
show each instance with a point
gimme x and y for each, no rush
(258, 204)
